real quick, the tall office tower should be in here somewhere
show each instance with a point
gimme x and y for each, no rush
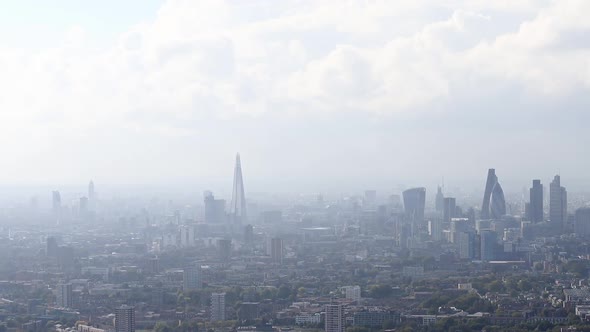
(488, 242)
(125, 319)
(435, 229)
(64, 295)
(91, 197)
(414, 202)
(192, 278)
(449, 208)
(440, 200)
(224, 249)
(582, 222)
(214, 209)
(237, 209)
(56, 200)
(335, 320)
(557, 203)
(487, 194)
(91, 193)
(498, 203)
(466, 244)
(536, 202)
(276, 250)
(217, 307)
(187, 236)
(153, 265)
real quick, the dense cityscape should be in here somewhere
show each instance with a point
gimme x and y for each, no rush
(294, 165)
(412, 261)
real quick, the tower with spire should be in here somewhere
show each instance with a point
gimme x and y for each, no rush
(237, 209)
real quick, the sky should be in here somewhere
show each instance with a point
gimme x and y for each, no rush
(315, 95)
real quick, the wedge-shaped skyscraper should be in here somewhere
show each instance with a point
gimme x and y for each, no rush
(494, 204)
(237, 208)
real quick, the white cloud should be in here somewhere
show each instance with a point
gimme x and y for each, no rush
(203, 60)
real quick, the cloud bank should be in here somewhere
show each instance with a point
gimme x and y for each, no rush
(177, 95)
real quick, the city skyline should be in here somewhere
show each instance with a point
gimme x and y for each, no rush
(294, 165)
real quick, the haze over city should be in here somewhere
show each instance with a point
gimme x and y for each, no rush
(294, 166)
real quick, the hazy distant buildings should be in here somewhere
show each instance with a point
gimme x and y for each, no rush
(248, 234)
(56, 203)
(187, 236)
(370, 197)
(557, 203)
(64, 295)
(414, 202)
(51, 248)
(272, 217)
(335, 320)
(582, 222)
(276, 250)
(353, 293)
(224, 249)
(494, 203)
(217, 307)
(125, 319)
(237, 209)
(91, 197)
(83, 206)
(536, 202)
(192, 278)
(214, 209)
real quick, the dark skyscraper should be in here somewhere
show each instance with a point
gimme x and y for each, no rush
(582, 222)
(237, 209)
(414, 202)
(439, 201)
(494, 195)
(557, 202)
(536, 202)
(449, 207)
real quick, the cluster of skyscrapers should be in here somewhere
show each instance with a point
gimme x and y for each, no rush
(534, 209)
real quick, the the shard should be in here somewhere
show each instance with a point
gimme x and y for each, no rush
(237, 209)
